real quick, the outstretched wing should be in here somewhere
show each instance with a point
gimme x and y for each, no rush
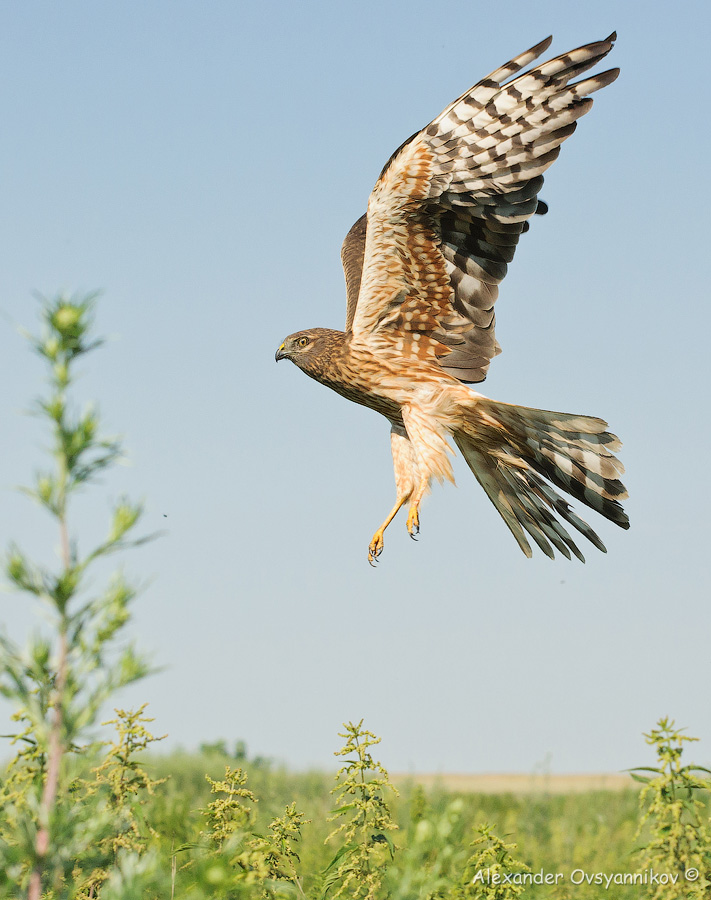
(352, 253)
(445, 216)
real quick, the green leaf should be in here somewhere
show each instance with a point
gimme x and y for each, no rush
(343, 809)
(332, 872)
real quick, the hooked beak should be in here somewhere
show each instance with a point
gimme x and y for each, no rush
(280, 354)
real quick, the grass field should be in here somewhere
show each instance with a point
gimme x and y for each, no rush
(560, 823)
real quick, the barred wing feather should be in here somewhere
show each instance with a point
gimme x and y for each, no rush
(445, 216)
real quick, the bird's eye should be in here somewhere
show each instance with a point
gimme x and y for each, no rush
(303, 341)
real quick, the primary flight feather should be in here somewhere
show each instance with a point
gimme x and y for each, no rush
(422, 271)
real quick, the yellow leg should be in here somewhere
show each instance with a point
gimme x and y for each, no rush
(413, 516)
(376, 545)
(406, 477)
(413, 522)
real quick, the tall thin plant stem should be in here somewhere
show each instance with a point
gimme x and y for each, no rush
(55, 749)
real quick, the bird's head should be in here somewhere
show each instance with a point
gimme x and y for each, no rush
(307, 349)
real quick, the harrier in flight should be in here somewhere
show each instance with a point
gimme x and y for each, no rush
(422, 270)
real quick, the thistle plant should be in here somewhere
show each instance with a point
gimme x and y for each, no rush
(25, 771)
(281, 854)
(358, 868)
(228, 813)
(240, 859)
(122, 776)
(127, 788)
(61, 679)
(492, 871)
(231, 861)
(674, 816)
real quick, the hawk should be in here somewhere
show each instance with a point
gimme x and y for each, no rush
(422, 270)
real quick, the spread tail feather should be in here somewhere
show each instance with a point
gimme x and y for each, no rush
(514, 451)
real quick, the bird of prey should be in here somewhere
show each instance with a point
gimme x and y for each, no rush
(423, 268)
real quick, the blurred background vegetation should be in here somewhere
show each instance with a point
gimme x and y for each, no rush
(86, 815)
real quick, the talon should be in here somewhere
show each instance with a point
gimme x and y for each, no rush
(376, 547)
(413, 523)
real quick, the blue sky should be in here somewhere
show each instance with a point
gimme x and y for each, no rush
(200, 165)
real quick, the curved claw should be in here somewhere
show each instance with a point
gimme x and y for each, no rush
(376, 547)
(413, 523)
